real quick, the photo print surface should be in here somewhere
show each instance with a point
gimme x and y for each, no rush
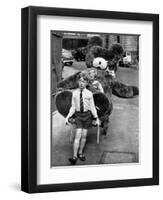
(94, 99)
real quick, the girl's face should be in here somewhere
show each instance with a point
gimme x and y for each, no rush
(82, 84)
(92, 75)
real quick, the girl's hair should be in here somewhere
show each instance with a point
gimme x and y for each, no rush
(94, 72)
(85, 74)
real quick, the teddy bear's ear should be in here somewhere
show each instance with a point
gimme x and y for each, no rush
(116, 49)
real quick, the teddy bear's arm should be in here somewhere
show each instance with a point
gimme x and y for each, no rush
(69, 83)
(124, 91)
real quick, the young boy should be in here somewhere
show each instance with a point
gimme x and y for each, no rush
(83, 108)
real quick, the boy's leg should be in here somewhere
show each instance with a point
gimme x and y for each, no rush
(77, 142)
(83, 140)
(86, 125)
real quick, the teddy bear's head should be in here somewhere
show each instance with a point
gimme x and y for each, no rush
(102, 64)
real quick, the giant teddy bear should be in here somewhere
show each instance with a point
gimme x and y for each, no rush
(105, 61)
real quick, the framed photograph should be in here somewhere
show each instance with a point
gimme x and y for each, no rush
(90, 99)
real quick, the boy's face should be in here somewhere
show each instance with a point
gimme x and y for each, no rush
(82, 84)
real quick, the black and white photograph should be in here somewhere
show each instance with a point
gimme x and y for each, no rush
(94, 99)
(90, 99)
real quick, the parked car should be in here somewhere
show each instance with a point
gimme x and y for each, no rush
(126, 60)
(67, 58)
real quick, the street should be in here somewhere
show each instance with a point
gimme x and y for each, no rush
(120, 145)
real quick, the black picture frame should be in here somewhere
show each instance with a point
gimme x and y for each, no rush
(29, 98)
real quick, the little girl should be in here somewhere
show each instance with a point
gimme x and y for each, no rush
(93, 84)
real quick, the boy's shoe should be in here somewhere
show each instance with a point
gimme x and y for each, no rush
(81, 157)
(73, 160)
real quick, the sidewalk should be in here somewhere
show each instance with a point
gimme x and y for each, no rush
(120, 144)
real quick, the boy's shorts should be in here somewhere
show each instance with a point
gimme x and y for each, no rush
(83, 119)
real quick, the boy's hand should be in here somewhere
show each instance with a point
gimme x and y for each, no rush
(97, 122)
(66, 121)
